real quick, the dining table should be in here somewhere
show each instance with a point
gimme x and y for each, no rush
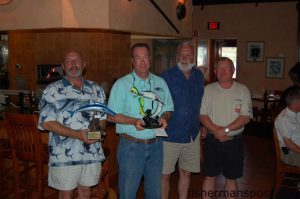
(271, 100)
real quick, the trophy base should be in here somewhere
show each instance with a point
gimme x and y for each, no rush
(152, 126)
(94, 135)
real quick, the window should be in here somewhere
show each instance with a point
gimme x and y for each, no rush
(3, 51)
(231, 53)
(202, 53)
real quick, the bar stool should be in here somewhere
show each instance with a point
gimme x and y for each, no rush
(28, 156)
(6, 179)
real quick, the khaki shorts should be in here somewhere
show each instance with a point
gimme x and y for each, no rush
(187, 155)
(69, 177)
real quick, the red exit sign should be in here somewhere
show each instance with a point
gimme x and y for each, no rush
(214, 25)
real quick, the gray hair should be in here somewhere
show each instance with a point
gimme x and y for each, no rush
(224, 59)
(293, 96)
(186, 43)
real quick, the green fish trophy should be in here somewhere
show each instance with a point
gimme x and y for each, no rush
(150, 119)
(96, 133)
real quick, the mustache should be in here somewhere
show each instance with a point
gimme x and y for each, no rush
(185, 67)
(74, 67)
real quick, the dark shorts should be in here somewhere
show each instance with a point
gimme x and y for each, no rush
(224, 157)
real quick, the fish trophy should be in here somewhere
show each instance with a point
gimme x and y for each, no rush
(151, 122)
(150, 119)
(96, 132)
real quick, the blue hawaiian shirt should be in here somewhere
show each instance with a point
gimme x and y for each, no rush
(58, 101)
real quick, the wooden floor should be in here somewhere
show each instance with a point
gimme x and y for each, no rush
(259, 171)
(258, 176)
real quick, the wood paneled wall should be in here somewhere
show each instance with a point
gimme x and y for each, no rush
(107, 53)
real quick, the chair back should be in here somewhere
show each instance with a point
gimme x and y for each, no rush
(275, 110)
(282, 168)
(25, 138)
(26, 150)
(277, 150)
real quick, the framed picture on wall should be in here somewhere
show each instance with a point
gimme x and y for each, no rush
(275, 67)
(255, 51)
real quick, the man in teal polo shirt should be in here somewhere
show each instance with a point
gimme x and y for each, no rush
(140, 150)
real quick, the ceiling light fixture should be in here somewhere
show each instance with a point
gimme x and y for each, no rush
(180, 9)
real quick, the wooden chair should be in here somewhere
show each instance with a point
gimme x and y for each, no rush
(101, 190)
(6, 179)
(275, 110)
(104, 180)
(28, 155)
(281, 168)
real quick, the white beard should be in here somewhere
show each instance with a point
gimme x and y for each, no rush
(186, 67)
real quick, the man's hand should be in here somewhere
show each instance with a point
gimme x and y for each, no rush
(220, 134)
(83, 137)
(163, 122)
(138, 125)
(203, 132)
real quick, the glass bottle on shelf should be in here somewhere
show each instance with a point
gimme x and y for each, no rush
(266, 98)
(33, 103)
(266, 93)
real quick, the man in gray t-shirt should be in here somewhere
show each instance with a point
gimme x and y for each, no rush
(226, 108)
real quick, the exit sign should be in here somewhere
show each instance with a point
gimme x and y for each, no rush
(214, 25)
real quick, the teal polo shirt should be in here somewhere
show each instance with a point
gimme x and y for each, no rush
(123, 101)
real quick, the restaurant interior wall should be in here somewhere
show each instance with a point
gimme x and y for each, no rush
(106, 53)
(275, 24)
(134, 16)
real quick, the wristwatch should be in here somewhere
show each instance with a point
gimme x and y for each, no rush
(226, 130)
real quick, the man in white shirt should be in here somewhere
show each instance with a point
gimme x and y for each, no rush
(287, 125)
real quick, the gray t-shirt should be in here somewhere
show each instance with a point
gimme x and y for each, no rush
(223, 106)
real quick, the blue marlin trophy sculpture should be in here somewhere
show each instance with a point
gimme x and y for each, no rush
(96, 107)
(96, 131)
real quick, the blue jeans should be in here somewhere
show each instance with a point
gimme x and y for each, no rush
(135, 161)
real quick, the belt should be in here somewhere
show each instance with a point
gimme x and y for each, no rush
(145, 141)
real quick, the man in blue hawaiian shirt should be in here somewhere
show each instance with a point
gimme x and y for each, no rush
(74, 160)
